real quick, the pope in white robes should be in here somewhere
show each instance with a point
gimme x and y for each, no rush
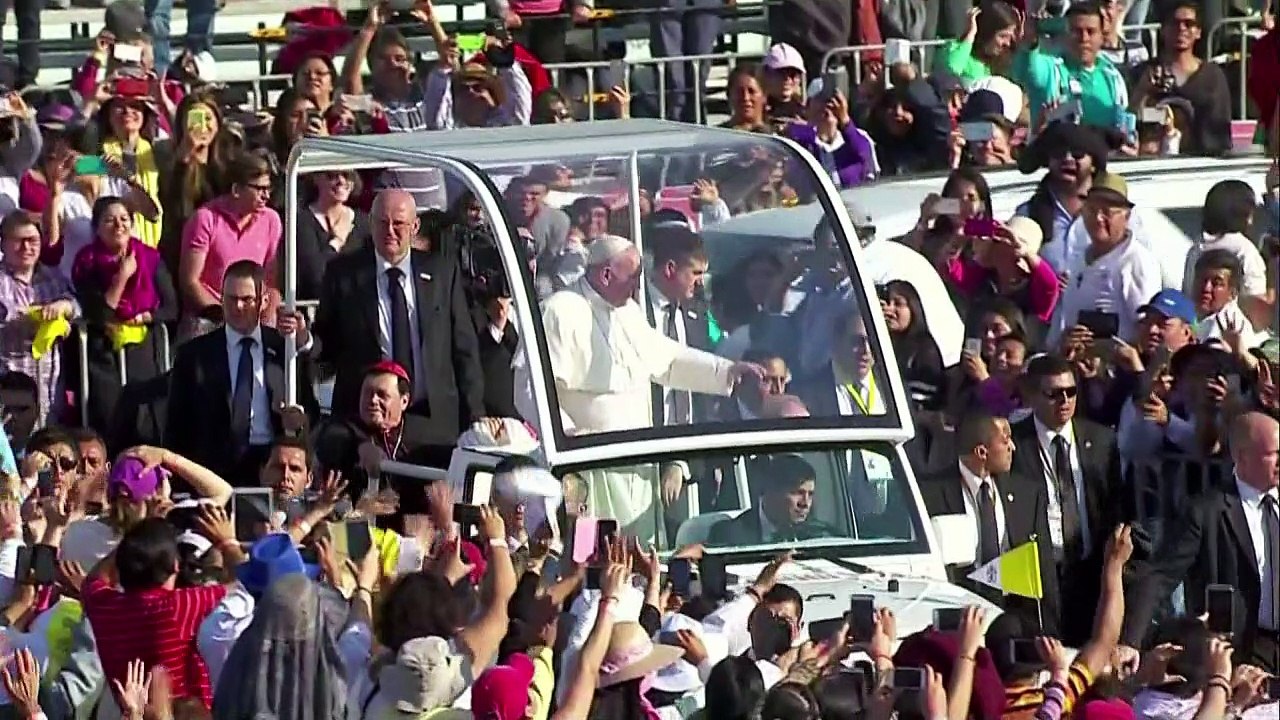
(605, 357)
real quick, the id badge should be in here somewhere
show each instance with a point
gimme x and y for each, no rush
(1074, 87)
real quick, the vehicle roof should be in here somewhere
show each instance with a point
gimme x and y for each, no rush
(516, 144)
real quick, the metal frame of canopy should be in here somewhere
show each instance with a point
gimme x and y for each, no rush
(460, 152)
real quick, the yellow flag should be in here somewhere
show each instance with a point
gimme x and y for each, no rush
(1016, 572)
(48, 332)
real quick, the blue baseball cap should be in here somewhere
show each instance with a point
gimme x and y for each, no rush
(1172, 304)
(270, 559)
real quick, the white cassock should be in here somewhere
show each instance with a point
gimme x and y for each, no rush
(605, 360)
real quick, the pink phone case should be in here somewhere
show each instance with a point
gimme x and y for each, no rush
(584, 539)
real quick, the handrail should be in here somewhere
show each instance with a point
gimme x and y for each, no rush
(80, 328)
(1245, 23)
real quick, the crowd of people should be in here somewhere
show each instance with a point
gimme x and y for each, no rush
(161, 478)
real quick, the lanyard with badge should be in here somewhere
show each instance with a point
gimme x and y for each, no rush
(870, 402)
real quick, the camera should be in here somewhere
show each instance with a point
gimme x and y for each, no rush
(480, 263)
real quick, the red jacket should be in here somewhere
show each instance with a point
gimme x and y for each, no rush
(319, 30)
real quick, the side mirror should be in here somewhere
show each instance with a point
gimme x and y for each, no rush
(957, 539)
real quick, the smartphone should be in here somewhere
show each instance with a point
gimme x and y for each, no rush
(1220, 603)
(1103, 325)
(593, 577)
(1273, 688)
(127, 53)
(848, 682)
(1129, 126)
(713, 577)
(896, 50)
(465, 515)
(358, 103)
(1023, 651)
(22, 571)
(400, 5)
(947, 206)
(359, 539)
(44, 565)
(618, 73)
(980, 227)
(309, 554)
(584, 539)
(606, 533)
(976, 132)
(862, 616)
(91, 165)
(1153, 116)
(1066, 112)
(199, 118)
(497, 29)
(251, 510)
(908, 678)
(130, 87)
(680, 574)
(44, 483)
(130, 163)
(824, 630)
(973, 346)
(948, 619)
(183, 515)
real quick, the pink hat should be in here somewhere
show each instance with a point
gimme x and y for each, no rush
(782, 56)
(502, 691)
(1113, 709)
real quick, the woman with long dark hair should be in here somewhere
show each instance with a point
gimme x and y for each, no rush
(913, 345)
(987, 46)
(938, 235)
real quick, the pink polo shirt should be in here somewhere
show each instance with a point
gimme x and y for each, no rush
(215, 229)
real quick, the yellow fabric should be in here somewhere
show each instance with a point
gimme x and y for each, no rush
(387, 543)
(149, 178)
(48, 332)
(866, 404)
(543, 687)
(63, 618)
(123, 335)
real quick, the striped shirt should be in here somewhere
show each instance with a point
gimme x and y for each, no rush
(1022, 701)
(157, 626)
(17, 297)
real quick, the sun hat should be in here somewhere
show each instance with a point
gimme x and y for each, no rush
(632, 655)
(1027, 232)
(270, 559)
(1111, 188)
(56, 116)
(427, 674)
(682, 676)
(131, 477)
(502, 691)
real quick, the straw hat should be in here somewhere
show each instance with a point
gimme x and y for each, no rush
(632, 655)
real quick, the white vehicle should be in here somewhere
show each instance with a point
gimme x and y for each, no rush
(869, 530)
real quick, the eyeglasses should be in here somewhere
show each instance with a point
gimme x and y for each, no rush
(1061, 394)
(1076, 153)
(260, 189)
(1183, 23)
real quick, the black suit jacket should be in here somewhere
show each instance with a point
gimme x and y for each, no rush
(199, 404)
(1025, 502)
(495, 362)
(1210, 545)
(746, 530)
(1104, 501)
(347, 330)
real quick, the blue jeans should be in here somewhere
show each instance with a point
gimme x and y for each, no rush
(199, 38)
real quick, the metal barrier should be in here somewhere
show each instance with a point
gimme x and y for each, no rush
(917, 47)
(1163, 485)
(1245, 23)
(81, 331)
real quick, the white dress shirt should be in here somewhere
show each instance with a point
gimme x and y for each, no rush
(1044, 439)
(384, 318)
(972, 489)
(869, 389)
(1120, 282)
(661, 305)
(260, 432)
(1251, 502)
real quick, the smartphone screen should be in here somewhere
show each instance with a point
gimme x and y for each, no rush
(947, 619)
(713, 577)
(862, 616)
(680, 574)
(44, 483)
(251, 512)
(309, 554)
(584, 539)
(359, 539)
(606, 533)
(1024, 652)
(1273, 688)
(22, 573)
(973, 346)
(593, 578)
(947, 206)
(44, 564)
(1220, 602)
(824, 630)
(127, 53)
(1103, 325)
(976, 132)
(980, 227)
(908, 678)
(466, 515)
(90, 165)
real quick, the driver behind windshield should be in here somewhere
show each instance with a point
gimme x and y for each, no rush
(782, 513)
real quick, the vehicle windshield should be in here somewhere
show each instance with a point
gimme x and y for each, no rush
(645, 308)
(856, 499)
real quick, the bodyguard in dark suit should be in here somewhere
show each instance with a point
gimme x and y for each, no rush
(401, 304)
(1077, 463)
(1006, 509)
(781, 513)
(499, 341)
(1228, 536)
(226, 389)
(678, 310)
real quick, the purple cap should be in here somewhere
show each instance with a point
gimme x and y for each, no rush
(56, 116)
(131, 477)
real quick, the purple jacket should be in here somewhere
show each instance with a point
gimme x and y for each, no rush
(854, 160)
